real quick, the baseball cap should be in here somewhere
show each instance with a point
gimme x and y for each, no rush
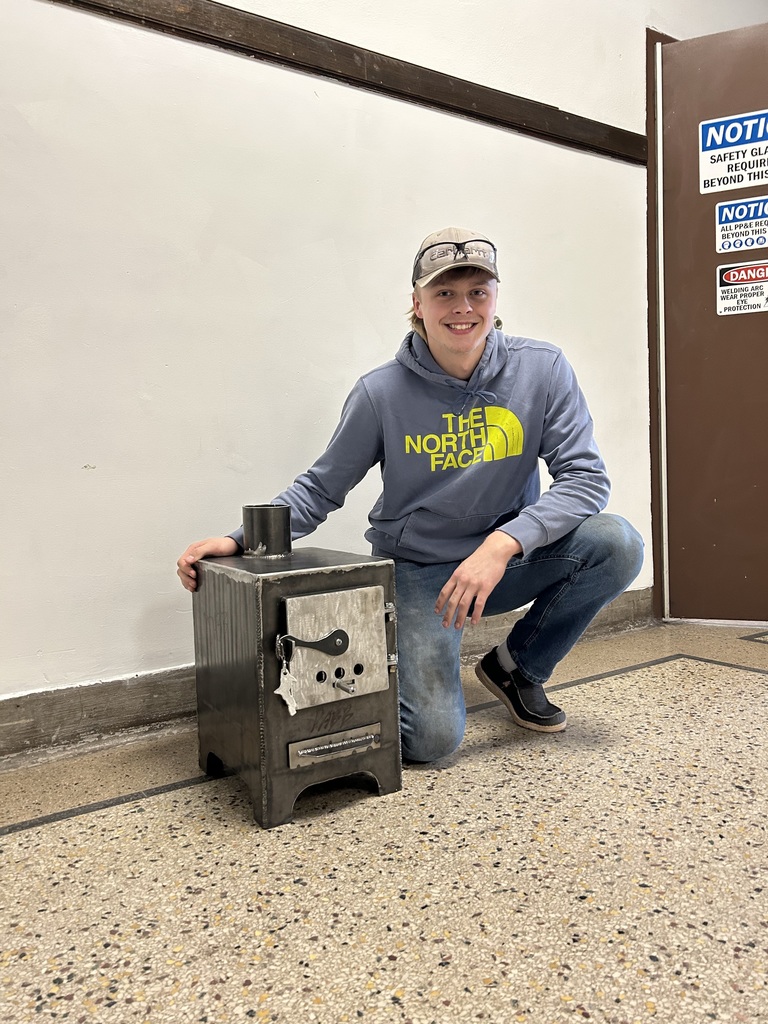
(453, 247)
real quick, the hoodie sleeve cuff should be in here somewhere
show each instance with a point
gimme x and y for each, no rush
(527, 531)
(238, 538)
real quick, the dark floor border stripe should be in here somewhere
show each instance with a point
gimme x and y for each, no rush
(144, 794)
(614, 672)
(725, 664)
(631, 668)
(757, 638)
(586, 679)
(115, 801)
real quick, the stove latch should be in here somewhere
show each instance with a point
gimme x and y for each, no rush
(335, 642)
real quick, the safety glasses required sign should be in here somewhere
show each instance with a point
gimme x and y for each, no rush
(733, 152)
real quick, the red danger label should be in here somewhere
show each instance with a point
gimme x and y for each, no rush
(745, 274)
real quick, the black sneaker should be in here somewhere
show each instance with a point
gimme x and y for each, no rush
(527, 702)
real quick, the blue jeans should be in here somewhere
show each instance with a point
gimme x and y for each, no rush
(568, 582)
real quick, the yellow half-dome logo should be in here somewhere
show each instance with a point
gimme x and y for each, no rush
(505, 434)
(483, 435)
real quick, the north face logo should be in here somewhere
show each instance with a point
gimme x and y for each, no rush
(483, 435)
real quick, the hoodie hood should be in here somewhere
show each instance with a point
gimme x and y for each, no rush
(414, 354)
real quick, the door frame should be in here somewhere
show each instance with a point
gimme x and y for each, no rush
(654, 41)
(661, 597)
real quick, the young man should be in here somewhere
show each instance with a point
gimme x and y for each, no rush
(458, 422)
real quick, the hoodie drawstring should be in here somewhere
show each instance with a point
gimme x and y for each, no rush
(466, 394)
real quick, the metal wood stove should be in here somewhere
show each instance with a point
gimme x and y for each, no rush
(296, 666)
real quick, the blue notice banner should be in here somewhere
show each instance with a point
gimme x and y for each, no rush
(733, 152)
(742, 224)
(727, 132)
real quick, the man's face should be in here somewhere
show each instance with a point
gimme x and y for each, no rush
(457, 310)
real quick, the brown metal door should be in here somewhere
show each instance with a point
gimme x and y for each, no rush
(715, 313)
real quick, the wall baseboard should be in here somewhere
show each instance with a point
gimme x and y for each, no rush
(74, 714)
(86, 713)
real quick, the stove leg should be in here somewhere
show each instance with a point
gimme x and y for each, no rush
(212, 764)
(272, 805)
(389, 777)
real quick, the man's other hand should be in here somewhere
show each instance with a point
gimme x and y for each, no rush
(475, 578)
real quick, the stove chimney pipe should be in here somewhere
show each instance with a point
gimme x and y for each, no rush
(267, 530)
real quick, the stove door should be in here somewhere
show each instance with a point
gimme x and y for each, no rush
(346, 652)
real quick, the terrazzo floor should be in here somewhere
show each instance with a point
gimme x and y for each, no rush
(616, 872)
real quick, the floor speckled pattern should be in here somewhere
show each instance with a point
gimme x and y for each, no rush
(615, 872)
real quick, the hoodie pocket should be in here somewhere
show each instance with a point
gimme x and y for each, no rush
(449, 538)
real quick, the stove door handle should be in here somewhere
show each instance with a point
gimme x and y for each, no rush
(335, 642)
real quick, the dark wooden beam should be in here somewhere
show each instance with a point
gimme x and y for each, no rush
(250, 35)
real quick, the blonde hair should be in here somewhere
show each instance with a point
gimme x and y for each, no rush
(453, 274)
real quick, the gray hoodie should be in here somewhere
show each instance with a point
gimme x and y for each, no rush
(459, 459)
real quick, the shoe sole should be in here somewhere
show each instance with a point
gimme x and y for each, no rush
(523, 723)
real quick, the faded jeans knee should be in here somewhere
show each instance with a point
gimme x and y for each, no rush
(431, 734)
(432, 711)
(618, 544)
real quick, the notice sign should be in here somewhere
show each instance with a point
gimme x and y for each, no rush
(742, 224)
(733, 152)
(742, 288)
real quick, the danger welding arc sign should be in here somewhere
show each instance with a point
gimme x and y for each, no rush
(742, 288)
(744, 274)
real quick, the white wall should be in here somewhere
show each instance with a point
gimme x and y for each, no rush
(202, 252)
